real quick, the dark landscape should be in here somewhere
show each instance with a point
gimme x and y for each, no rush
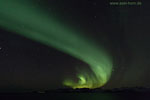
(136, 93)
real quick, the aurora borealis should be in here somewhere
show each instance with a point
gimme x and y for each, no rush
(47, 30)
(55, 44)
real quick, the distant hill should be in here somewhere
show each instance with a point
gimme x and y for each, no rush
(97, 90)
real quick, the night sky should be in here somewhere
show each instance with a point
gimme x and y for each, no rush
(29, 64)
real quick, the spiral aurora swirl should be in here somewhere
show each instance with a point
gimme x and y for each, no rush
(20, 17)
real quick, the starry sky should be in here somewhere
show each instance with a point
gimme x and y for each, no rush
(122, 30)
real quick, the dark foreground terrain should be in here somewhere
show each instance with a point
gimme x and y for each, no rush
(81, 94)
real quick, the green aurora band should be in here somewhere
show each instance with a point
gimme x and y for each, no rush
(22, 18)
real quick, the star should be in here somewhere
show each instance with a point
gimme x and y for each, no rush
(94, 3)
